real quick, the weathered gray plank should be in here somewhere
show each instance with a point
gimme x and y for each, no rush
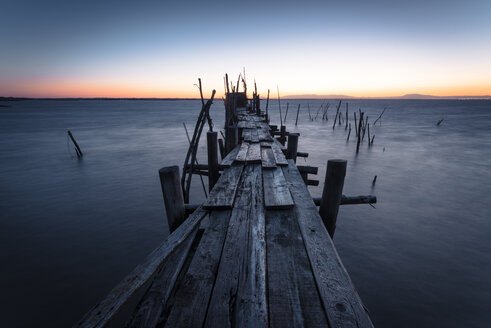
(246, 134)
(152, 304)
(242, 154)
(230, 158)
(106, 310)
(339, 297)
(239, 295)
(223, 193)
(267, 158)
(264, 135)
(254, 153)
(292, 294)
(276, 192)
(278, 155)
(192, 297)
(266, 144)
(254, 135)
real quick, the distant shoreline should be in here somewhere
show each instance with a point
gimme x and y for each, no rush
(295, 97)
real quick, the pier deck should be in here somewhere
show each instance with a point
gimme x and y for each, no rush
(255, 254)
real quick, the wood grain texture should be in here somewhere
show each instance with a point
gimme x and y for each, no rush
(230, 158)
(246, 134)
(276, 191)
(192, 297)
(254, 136)
(152, 304)
(339, 297)
(223, 193)
(254, 153)
(293, 298)
(242, 154)
(264, 135)
(105, 311)
(278, 154)
(267, 158)
(239, 295)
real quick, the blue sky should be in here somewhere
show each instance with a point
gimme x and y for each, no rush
(157, 48)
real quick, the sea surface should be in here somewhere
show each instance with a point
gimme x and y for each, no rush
(71, 229)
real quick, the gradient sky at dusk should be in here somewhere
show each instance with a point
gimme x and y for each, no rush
(121, 48)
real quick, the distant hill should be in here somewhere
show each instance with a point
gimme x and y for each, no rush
(407, 96)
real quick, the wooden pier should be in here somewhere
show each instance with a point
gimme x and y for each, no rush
(256, 253)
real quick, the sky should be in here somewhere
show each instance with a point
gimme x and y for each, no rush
(122, 48)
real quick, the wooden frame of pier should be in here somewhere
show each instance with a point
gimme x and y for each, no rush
(256, 253)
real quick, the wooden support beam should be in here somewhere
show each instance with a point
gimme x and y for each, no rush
(308, 169)
(331, 195)
(302, 154)
(232, 138)
(351, 200)
(173, 197)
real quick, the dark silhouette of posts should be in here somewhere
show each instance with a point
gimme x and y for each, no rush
(282, 134)
(173, 197)
(212, 142)
(232, 138)
(292, 146)
(332, 193)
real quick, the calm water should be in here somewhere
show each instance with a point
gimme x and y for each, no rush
(70, 230)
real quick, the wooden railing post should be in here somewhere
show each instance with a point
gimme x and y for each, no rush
(211, 142)
(292, 146)
(232, 138)
(173, 198)
(283, 134)
(332, 193)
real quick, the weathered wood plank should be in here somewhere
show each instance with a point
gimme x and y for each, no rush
(106, 310)
(254, 135)
(239, 295)
(276, 192)
(242, 154)
(152, 304)
(264, 135)
(192, 297)
(230, 158)
(339, 297)
(278, 155)
(266, 144)
(223, 193)
(267, 158)
(292, 293)
(246, 134)
(254, 153)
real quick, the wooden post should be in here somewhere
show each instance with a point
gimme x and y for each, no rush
(282, 134)
(232, 138)
(173, 198)
(211, 142)
(267, 103)
(258, 107)
(331, 195)
(222, 148)
(292, 146)
(298, 109)
(77, 148)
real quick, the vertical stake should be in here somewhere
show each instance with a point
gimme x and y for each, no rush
(173, 198)
(211, 142)
(331, 195)
(292, 146)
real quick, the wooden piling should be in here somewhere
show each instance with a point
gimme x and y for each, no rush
(77, 148)
(360, 124)
(232, 138)
(173, 197)
(282, 134)
(211, 142)
(332, 193)
(221, 147)
(292, 146)
(298, 110)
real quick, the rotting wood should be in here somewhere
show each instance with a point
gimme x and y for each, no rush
(239, 294)
(230, 158)
(278, 154)
(276, 192)
(293, 299)
(267, 158)
(341, 302)
(242, 154)
(192, 298)
(254, 153)
(223, 194)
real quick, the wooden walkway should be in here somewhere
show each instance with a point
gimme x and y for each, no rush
(256, 254)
